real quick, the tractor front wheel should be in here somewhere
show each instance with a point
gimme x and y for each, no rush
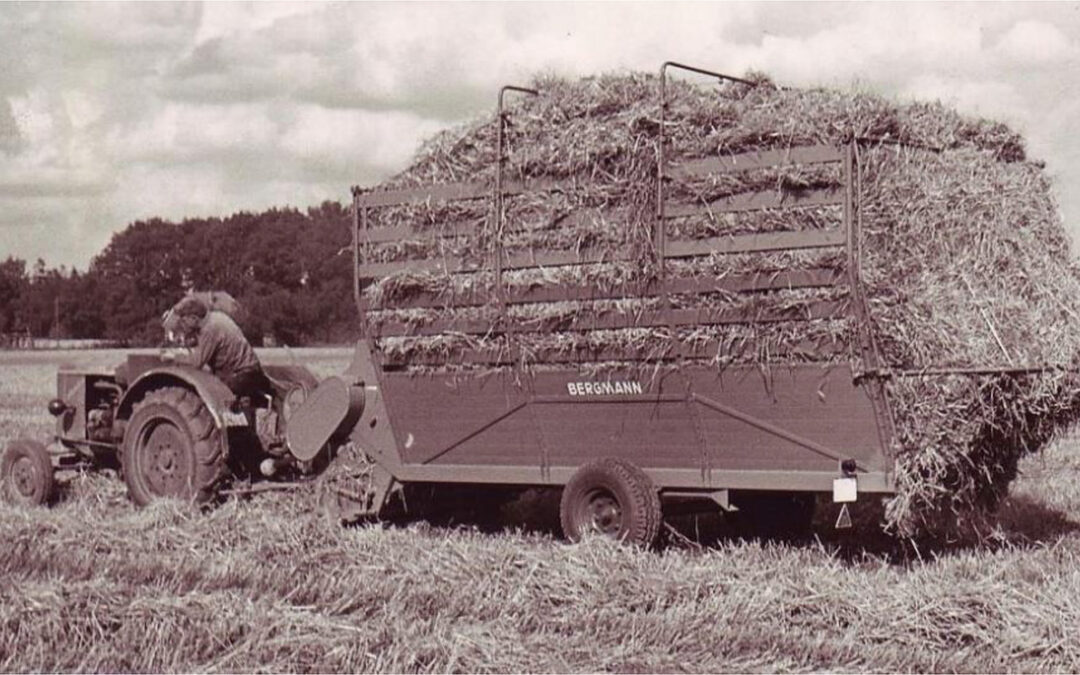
(613, 498)
(26, 473)
(172, 448)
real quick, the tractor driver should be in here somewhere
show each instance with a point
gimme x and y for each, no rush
(221, 346)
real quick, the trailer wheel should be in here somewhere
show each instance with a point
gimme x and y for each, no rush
(611, 497)
(27, 473)
(172, 448)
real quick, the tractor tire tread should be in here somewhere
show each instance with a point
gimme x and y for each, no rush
(206, 440)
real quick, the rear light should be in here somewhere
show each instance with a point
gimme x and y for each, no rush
(57, 407)
(848, 467)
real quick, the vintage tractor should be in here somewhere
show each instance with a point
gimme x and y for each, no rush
(176, 431)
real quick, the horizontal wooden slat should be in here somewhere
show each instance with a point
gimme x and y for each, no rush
(788, 279)
(742, 243)
(813, 278)
(382, 235)
(419, 195)
(757, 201)
(520, 260)
(405, 232)
(454, 192)
(809, 154)
(817, 154)
(517, 187)
(525, 260)
(754, 243)
(703, 351)
(448, 264)
(824, 309)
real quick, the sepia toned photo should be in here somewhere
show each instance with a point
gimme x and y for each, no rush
(539, 337)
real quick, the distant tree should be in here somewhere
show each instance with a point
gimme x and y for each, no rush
(80, 308)
(13, 283)
(330, 275)
(291, 270)
(138, 277)
(294, 278)
(39, 304)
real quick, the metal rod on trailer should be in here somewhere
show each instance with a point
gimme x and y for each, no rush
(499, 191)
(867, 347)
(710, 73)
(356, 253)
(852, 223)
(659, 233)
(867, 140)
(886, 373)
(359, 222)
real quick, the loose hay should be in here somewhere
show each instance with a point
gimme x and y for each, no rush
(965, 260)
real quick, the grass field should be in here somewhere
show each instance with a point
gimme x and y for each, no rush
(269, 583)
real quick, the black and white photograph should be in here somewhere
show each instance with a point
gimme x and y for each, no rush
(539, 337)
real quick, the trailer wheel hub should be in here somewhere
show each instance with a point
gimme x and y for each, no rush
(605, 515)
(611, 497)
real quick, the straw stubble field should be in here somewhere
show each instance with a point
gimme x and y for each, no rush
(93, 584)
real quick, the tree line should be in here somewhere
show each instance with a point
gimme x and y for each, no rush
(290, 270)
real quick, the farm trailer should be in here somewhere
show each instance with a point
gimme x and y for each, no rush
(646, 429)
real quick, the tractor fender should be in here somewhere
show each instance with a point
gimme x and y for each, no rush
(214, 394)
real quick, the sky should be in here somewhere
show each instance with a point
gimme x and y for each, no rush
(116, 112)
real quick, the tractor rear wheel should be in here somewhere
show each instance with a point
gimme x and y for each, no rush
(26, 473)
(614, 498)
(172, 448)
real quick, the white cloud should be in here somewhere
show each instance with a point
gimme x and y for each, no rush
(155, 109)
(209, 191)
(1036, 42)
(397, 54)
(875, 39)
(83, 107)
(991, 99)
(348, 138)
(63, 230)
(37, 119)
(223, 19)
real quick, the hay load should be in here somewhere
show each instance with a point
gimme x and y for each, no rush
(972, 300)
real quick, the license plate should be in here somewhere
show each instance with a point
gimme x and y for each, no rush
(845, 490)
(233, 419)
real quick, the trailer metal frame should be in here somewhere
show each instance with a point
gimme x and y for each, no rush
(784, 427)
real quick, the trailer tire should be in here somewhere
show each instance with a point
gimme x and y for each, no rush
(614, 498)
(26, 473)
(172, 448)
